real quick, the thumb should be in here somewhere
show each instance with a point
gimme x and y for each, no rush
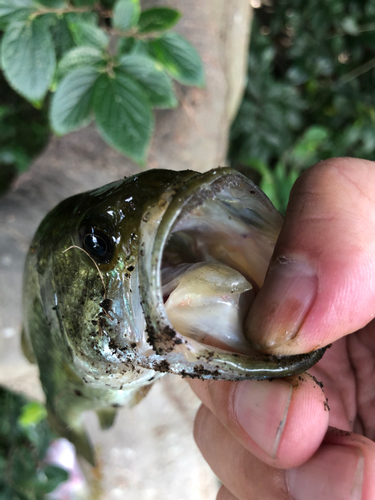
(320, 284)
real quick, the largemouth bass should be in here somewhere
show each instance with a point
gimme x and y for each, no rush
(147, 275)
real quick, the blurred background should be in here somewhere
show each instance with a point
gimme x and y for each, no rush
(299, 89)
(309, 93)
(309, 96)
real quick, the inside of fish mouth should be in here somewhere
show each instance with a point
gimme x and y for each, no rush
(213, 264)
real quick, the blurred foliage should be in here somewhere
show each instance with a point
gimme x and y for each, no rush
(310, 90)
(24, 131)
(106, 61)
(309, 96)
(112, 63)
(24, 439)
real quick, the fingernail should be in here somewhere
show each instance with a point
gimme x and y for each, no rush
(333, 473)
(261, 410)
(282, 304)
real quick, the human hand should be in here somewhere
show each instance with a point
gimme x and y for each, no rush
(277, 440)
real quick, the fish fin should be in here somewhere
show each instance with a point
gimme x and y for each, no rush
(82, 444)
(27, 348)
(75, 434)
(106, 417)
(140, 394)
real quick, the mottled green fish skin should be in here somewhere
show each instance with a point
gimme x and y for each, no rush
(63, 294)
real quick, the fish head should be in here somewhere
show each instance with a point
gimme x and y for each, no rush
(156, 273)
(84, 266)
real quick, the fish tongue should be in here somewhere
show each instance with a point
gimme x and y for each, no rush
(207, 302)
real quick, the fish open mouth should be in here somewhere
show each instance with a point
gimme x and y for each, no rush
(204, 253)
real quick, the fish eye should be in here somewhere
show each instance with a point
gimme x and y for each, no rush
(98, 244)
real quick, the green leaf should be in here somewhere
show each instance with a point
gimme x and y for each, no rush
(309, 143)
(179, 57)
(15, 10)
(126, 14)
(123, 115)
(77, 58)
(28, 58)
(31, 414)
(157, 19)
(82, 17)
(152, 78)
(55, 476)
(87, 34)
(125, 45)
(9, 7)
(62, 38)
(56, 4)
(71, 104)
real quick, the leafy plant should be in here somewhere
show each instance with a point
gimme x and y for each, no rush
(275, 182)
(310, 90)
(278, 180)
(106, 61)
(24, 438)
